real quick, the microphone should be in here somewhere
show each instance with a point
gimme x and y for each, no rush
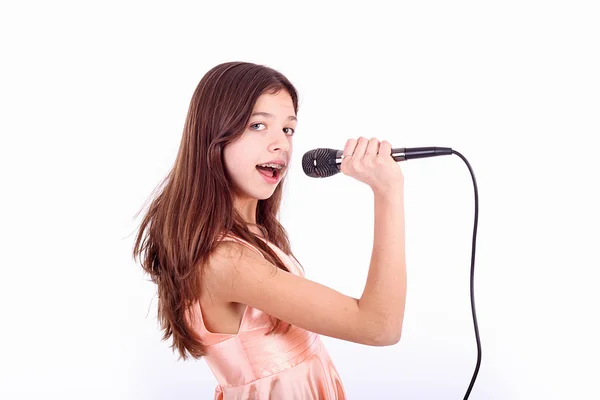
(322, 163)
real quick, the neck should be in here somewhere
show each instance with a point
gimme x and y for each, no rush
(247, 210)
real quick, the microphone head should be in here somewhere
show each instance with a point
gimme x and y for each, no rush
(320, 163)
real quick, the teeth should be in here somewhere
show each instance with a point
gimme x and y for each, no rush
(277, 166)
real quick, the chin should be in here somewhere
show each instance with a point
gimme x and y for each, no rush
(264, 195)
(258, 191)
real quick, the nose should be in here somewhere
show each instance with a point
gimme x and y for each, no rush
(279, 142)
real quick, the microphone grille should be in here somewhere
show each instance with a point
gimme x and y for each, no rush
(320, 163)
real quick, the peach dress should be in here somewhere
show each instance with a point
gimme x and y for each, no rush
(250, 365)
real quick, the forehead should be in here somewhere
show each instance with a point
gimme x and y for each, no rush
(276, 102)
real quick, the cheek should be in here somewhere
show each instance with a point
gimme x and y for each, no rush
(236, 158)
(230, 157)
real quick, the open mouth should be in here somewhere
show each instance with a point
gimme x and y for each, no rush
(270, 170)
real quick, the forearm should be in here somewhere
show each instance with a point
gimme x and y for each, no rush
(383, 300)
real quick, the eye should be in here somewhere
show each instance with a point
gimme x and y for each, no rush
(257, 126)
(289, 131)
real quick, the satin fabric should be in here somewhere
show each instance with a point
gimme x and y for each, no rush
(250, 365)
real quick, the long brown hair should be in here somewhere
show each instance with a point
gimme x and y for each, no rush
(195, 203)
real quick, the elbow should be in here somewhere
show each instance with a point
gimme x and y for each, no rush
(381, 331)
(388, 337)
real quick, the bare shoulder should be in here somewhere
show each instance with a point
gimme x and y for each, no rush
(232, 263)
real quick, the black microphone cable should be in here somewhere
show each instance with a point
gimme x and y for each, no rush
(473, 246)
(431, 152)
(407, 154)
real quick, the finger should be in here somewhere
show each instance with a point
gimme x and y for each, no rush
(349, 147)
(372, 148)
(349, 150)
(385, 149)
(361, 147)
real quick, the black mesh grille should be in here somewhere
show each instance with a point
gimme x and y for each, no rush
(320, 163)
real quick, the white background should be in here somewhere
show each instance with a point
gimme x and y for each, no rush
(93, 100)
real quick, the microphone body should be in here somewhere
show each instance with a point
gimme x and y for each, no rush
(322, 163)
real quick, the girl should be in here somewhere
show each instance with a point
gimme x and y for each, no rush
(229, 287)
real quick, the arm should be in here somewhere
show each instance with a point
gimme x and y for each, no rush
(238, 274)
(384, 297)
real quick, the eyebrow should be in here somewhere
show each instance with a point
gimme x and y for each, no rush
(268, 115)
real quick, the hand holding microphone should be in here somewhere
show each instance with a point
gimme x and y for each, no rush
(369, 161)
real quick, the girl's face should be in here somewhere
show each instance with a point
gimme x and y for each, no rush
(257, 161)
